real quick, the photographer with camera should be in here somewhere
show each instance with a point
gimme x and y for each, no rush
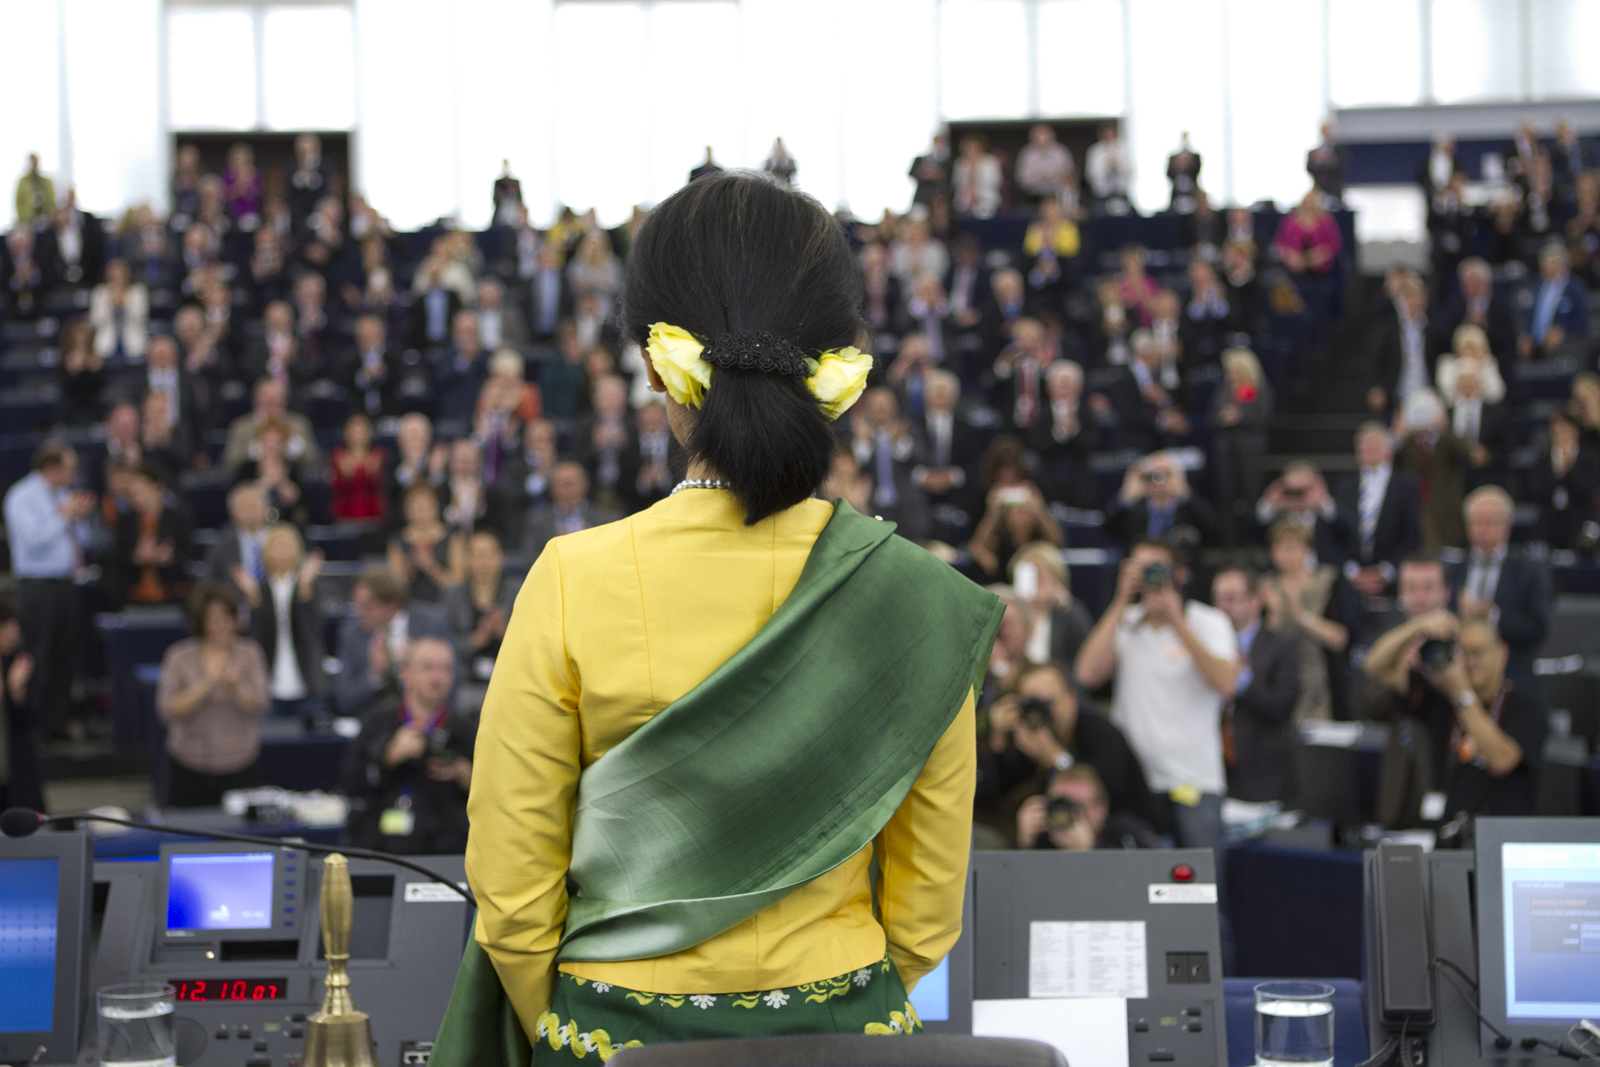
(1042, 729)
(1464, 739)
(1175, 663)
(1155, 503)
(1400, 693)
(1074, 814)
(408, 773)
(1300, 496)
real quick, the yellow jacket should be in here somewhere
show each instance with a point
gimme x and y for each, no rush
(614, 624)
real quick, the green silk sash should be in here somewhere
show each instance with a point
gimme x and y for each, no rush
(784, 763)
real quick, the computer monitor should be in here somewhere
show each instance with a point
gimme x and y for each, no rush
(1538, 888)
(44, 917)
(222, 892)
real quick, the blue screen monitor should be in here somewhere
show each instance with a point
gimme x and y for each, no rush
(1551, 901)
(931, 998)
(44, 938)
(219, 891)
(28, 914)
(1538, 883)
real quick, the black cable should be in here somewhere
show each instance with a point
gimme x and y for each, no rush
(1386, 1056)
(270, 842)
(1502, 1039)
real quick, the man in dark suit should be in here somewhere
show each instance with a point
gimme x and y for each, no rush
(373, 637)
(967, 285)
(607, 444)
(367, 372)
(705, 169)
(1384, 508)
(1300, 496)
(886, 452)
(647, 468)
(1147, 409)
(549, 300)
(459, 370)
(1403, 353)
(1156, 504)
(1559, 316)
(948, 450)
(1269, 688)
(569, 510)
(240, 542)
(1499, 586)
(931, 171)
(163, 374)
(73, 247)
(1019, 386)
(1064, 438)
(1476, 304)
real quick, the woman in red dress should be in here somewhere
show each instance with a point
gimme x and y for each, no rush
(356, 472)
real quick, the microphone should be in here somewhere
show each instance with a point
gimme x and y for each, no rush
(22, 822)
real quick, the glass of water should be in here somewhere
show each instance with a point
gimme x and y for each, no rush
(1294, 1024)
(136, 1025)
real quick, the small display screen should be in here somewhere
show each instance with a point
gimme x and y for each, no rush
(28, 945)
(219, 891)
(203, 989)
(1551, 896)
(931, 998)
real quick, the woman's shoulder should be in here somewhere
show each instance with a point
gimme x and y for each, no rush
(186, 649)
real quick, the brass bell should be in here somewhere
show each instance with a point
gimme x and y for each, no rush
(338, 1035)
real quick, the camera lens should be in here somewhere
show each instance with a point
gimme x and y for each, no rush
(1061, 813)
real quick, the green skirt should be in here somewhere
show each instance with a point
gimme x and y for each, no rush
(593, 1018)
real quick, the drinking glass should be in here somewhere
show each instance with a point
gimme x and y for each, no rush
(136, 1025)
(1294, 1024)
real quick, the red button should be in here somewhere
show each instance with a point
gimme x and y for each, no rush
(1183, 873)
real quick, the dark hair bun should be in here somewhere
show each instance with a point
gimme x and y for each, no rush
(734, 259)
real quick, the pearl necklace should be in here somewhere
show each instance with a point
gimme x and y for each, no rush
(699, 483)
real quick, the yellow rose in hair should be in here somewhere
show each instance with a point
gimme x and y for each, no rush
(840, 378)
(675, 354)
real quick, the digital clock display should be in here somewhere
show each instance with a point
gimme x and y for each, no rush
(208, 989)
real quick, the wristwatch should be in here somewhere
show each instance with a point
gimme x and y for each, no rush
(1466, 699)
(1063, 760)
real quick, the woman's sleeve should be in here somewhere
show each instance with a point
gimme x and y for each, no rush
(177, 676)
(524, 782)
(922, 854)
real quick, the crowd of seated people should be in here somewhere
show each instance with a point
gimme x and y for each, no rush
(441, 405)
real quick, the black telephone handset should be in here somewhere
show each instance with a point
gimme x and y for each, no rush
(1402, 971)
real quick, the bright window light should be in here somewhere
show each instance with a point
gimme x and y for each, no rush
(983, 59)
(1564, 33)
(600, 125)
(1375, 47)
(1477, 51)
(1080, 58)
(307, 59)
(211, 68)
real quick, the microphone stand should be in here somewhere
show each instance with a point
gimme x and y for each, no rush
(270, 842)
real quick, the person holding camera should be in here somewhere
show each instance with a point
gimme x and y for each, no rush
(1175, 663)
(409, 771)
(1155, 503)
(1300, 496)
(1466, 740)
(1041, 729)
(1074, 814)
(1400, 692)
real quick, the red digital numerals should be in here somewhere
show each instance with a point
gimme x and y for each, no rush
(208, 989)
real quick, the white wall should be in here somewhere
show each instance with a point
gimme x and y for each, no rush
(608, 104)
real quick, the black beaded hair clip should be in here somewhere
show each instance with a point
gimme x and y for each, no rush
(757, 350)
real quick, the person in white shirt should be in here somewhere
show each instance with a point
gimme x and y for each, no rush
(286, 620)
(1109, 169)
(1175, 664)
(977, 180)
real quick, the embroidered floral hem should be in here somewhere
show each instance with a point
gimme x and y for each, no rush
(596, 1019)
